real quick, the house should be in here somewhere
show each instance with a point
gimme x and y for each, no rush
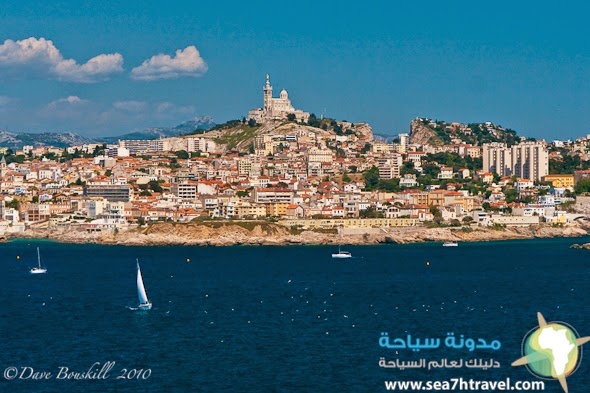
(522, 184)
(486, 177)
(295, 211)
(464, 173)
(408, 180)
(446, 172)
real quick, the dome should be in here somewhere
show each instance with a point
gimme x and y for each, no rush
(284, 94)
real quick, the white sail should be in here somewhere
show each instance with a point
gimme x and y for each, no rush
(38, 269)
(143, 299)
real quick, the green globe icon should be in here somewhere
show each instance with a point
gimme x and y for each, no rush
(552, 351)
(555, 347)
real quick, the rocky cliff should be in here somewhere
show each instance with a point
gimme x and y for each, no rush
(421, 134)
(264, 233)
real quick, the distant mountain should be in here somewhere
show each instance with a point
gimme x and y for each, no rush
(16, 140)
(198, 123)
(387, 138)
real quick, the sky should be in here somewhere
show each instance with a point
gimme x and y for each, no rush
(104, 68)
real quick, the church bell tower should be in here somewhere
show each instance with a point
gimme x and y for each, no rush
(268, 97)
(2, 167)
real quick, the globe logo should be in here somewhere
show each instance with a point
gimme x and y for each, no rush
(552, 351)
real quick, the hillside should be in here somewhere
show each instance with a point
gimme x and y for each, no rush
(435, 132)
(239, 135)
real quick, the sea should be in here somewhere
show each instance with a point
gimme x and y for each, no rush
(283, 318)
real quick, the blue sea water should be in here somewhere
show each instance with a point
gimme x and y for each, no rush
(280, 319)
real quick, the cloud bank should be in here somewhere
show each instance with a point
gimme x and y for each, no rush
(38, 56)
(186, 62)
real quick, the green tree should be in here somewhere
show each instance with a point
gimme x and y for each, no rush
(251, 123)
(371, 178)
(370, 212)
(155, 186)
(435, 212)
(182, 154)
(313, 121)
(582, 186)
(408, 168)
(14, 204)
(366, 148)
(291, 117)
(431, 170)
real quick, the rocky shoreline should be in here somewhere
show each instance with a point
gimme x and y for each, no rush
(229, 234)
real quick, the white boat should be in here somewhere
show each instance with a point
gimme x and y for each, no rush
(144, 303)
(450, 244)
(38, 269)
(342, 254)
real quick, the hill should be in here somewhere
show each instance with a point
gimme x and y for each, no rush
(198, 123)
(16, 140)
(239, 135)
(434, 132)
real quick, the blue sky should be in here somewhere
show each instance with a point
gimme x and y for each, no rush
(156, 63)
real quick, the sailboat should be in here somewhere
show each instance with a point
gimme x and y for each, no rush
(144, 303)
(342, 254)
(450, 244)
(38, 269)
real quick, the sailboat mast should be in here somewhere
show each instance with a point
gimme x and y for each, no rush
(38, 257)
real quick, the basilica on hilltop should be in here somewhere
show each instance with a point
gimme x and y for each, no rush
(276, 108)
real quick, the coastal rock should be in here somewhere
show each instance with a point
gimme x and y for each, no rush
(227, 233)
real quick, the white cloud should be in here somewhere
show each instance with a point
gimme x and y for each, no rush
(41, 56)
(168, 108)
(187, 62)
(130, 106)
(66, 102)
(103, 118)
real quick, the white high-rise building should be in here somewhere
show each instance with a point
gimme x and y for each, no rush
(404, 141)
(527, 160)
(390, 166)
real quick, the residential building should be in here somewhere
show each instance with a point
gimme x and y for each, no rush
(565, 181)
(111, 192)
(526, 159)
